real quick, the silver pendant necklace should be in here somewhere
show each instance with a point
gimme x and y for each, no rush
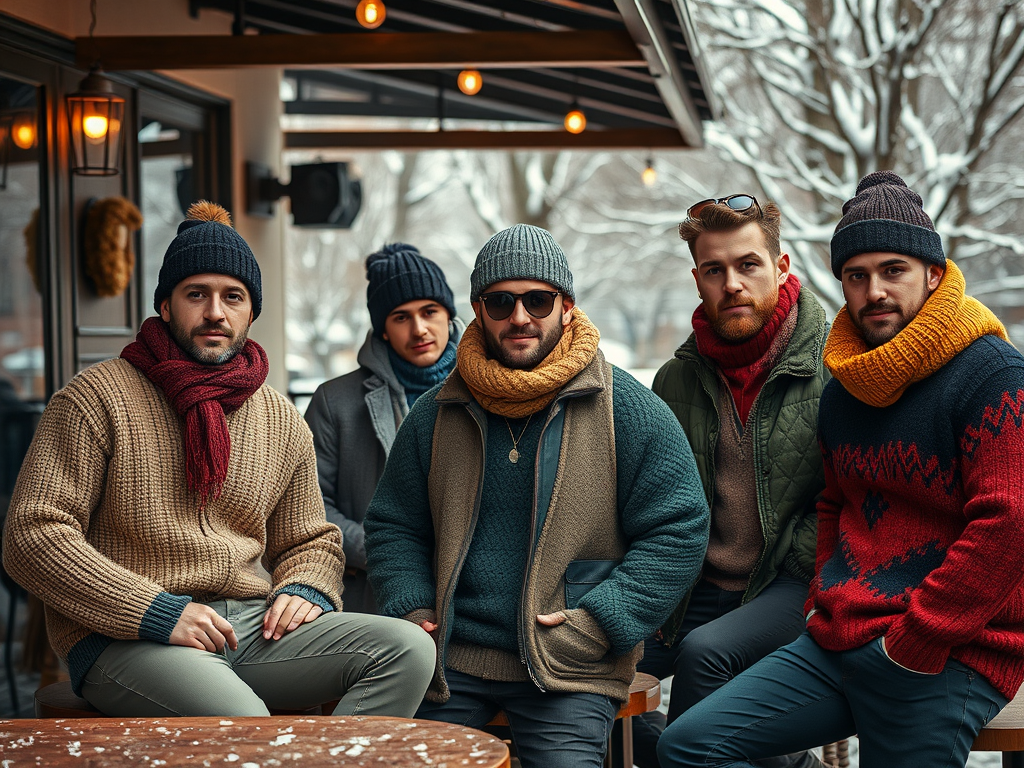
(513, 455)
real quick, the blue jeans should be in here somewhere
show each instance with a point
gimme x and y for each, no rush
(720, 637)
(549, 730)
(802, 696)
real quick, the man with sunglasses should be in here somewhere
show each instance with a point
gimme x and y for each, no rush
(915, 618)
(540, 514)
(745, 388)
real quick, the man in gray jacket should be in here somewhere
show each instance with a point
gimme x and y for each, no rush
(354, 418)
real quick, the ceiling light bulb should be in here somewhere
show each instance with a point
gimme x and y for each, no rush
(95, 127)
(575, 121)
(649, 175)
(470, 81)
(370, 13)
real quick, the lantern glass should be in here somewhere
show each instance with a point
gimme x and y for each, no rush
(94, 121)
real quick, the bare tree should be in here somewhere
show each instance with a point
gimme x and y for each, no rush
(816, 93)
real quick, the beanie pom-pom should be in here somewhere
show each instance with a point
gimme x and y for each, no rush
(204, 210)
(389, 250)
(880, 177)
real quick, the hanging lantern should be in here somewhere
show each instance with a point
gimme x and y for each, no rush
(649, 176)
(95, 120)
(470, 82)
(23, 131)
(575, 121)
(370, 13)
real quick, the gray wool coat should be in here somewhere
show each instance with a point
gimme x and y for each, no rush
(354, 419)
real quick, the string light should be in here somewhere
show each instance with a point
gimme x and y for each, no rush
(470, 82)
(649, 175)
(575, 121)
(370, 13)
(23, 132)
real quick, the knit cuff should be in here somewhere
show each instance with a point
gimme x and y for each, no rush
(314, 596)
(913, 651)
(420, 615)
(887, 236)
(162, 615)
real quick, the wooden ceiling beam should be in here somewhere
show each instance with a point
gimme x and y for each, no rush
(627, 138)
(370, 50)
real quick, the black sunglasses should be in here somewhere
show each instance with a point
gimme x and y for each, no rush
(740, 202)
(501, 304)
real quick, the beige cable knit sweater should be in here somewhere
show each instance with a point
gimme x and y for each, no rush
(102, 526)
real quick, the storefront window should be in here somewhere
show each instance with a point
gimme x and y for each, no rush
(22, 259)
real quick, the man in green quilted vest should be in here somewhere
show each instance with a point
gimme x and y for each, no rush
(745, 387)
(539, 515)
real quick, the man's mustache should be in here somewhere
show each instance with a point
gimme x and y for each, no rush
(204, 329)
(885, 306)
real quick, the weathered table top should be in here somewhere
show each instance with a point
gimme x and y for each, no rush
(246, 742)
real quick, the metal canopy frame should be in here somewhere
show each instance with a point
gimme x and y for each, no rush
(631, 65)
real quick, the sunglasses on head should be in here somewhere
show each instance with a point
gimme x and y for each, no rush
(501, 304)
(740, 202)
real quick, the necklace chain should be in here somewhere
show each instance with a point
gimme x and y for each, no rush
(513, 455)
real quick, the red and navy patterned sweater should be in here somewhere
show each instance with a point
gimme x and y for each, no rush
(921, 524)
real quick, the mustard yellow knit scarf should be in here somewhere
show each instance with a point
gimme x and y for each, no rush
(947, 324)
(515, 393)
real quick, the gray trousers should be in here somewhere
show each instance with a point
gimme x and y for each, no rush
(373, 664)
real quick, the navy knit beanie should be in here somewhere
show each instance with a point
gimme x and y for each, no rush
(885, 216)
(398, 273)
(521, 252)
(207, 243)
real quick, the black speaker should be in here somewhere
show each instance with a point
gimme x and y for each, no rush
(324, 196)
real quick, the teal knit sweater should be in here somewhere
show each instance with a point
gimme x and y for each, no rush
(657, 487)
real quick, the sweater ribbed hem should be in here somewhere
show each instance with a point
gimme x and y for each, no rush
(314, 596)
(161, 617)
(486, 663)
(83, 655)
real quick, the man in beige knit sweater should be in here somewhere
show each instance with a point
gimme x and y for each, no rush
(168, 516)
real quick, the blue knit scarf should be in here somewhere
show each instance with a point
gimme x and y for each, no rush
(415, 380)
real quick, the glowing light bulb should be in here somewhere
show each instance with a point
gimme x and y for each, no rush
(370, 13)
(470, 82)
(95, 127)
(575, 121)
(649, 176)
(23, 133)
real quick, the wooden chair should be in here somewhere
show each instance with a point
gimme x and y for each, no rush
(1005, 734)
(644, 696)
(58, 700)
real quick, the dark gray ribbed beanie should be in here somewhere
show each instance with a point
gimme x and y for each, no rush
(885, 216)
(521, 252)
(398, 273)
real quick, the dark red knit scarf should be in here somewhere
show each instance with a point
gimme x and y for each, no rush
(202, 395)
(744, 364)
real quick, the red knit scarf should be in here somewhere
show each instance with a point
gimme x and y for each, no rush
(202, 395)
(746, 364)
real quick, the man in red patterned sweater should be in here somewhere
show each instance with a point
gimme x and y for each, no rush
(915, 619)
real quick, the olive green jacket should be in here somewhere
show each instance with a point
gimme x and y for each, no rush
(787, 459)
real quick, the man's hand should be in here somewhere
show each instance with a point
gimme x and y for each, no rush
(288, 613)
(199, 626)
(551, 619)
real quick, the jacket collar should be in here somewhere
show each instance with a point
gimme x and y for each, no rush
(594, 378)
(803, 354)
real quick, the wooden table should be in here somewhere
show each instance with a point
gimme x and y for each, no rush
(246, 742)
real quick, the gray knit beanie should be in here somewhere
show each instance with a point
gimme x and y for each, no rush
(885, 216)
(521, 252)
(207, 243)
(398, 273)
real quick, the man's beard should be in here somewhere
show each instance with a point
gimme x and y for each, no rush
(207, 355)
(740, 329)
(524, 359)
(876, 336)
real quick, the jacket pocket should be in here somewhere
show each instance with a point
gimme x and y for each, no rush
(581, 576)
